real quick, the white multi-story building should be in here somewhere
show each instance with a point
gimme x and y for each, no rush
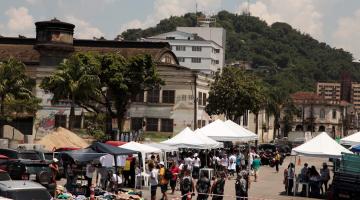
(198, 48)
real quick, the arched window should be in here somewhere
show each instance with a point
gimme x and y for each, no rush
(321, 128)
(299, 128)
(322, 113)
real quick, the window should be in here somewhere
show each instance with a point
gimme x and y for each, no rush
(168, 96)
(60, 120)
(200, 98)
(196, 60)
(322, 113)
(138, 98)
(201, 123)
(152, 124)
(196, 48)
(167, 125)
(181, 59)
(153, 96)
(168, 59)
(334, 113)
(216, 50)
(214, 62)
(180, 48)
(204, 99)
(77, 123)
(170, 38)
(137, 123)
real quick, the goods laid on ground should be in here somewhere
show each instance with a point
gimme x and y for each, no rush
(62, 137)
(346, 181)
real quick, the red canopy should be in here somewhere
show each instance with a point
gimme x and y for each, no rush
(66, 149)
(115, 143)
(3, 157)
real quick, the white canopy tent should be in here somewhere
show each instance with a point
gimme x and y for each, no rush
(208, 141)
(351, 140)
(246, 135)
(143, 148)
(188, 139)
(163, 147)
(218, 131)
(321, 146)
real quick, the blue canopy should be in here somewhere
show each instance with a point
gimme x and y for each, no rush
(355, 148)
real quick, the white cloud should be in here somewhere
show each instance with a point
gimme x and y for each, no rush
(166, 8)
(347, 35)
(84, 29)
(302, 15)
(20, 21)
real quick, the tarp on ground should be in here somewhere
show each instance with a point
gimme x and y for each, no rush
(83, 155)
(109, 149)
(351, 140)
(245, 134)
(321, 146)
(218, 131)
(187, 139)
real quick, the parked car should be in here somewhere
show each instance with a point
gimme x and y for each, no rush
(23, 190)
(29, 165)
(4, 175)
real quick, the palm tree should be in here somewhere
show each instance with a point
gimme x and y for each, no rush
(74, 80)
(15, 91)
(275, 102)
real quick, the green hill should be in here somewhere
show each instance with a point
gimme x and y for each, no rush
(281, 55)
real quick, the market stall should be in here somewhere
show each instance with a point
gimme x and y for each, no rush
(351, 140)
(218, 131)
(245, 134)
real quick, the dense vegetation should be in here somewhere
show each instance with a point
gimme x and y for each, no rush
(282, 56)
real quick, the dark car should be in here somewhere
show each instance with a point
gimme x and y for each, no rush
(23, 190)
(267, 147)
(28, 165)
(4, 176)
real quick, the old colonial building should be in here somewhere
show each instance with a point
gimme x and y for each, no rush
(168, 109)
(316, 114)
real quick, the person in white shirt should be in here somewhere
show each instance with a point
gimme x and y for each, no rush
(196, 166)
(232, 165)
(154, 173)
(188, 161)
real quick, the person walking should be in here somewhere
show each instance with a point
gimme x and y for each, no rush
(256, 166)
(203, 187)
(290, 178)
(174, 171)
(277, 161)
(325, 177)
(153, 180)
(196, 166)
(163, 180)
(242, 185)
(232, 165)
(217, 188)
(186, 185)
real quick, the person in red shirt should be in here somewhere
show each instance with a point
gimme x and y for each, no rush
(174, 171)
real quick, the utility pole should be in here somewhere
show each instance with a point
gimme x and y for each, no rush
(195, 100)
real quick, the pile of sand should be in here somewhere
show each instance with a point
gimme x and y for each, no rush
(62, 138)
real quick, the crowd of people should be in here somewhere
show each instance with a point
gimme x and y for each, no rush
(317, 181)
(183, 173)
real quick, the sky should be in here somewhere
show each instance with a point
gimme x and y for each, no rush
(336, 22)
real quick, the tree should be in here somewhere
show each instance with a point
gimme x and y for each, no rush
(16, 97)
(233, 92)
(74, 80)
(275, 102)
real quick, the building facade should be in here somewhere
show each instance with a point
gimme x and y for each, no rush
(317, 114)
(169, 109)
(196, 48)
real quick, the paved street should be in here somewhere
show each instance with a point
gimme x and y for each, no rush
(269, 185)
